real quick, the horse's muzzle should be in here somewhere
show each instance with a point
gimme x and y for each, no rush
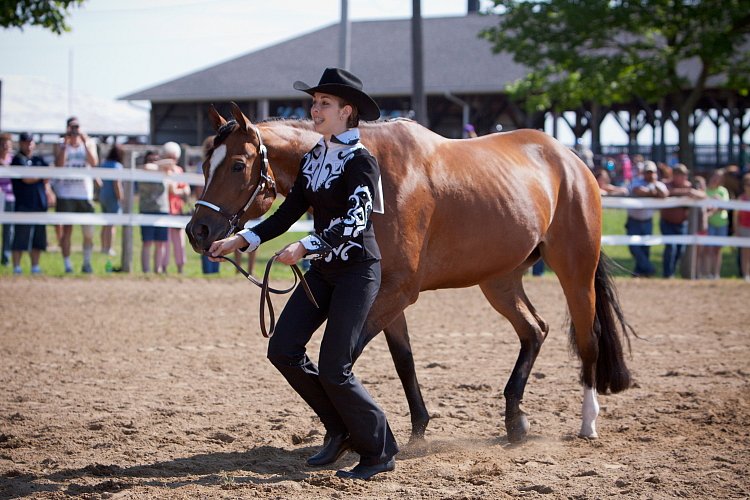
(202, 234)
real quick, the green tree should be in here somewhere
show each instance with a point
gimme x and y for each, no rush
(612, 51)
(45, 13)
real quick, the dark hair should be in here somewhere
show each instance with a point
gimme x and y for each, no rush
(71, 119)
(147, 154)
(115, 154)
(353, 120)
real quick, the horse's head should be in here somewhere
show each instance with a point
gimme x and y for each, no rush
(239, 182)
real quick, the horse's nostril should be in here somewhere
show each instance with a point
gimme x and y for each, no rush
(200, 231)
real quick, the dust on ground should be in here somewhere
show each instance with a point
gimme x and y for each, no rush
(159, 388)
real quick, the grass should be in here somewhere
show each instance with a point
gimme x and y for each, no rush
(614, 223)
(51, 261)
(52, 264)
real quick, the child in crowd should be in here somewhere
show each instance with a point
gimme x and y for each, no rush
(153, 199)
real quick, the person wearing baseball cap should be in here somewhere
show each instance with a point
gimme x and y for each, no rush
(32, 195)
(640, 220)
(674, 220)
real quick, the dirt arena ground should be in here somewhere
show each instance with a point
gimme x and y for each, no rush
(159, 388)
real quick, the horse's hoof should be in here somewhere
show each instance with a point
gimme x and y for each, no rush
(417, 431)
(415, 440)
(588, 434)
(517, 428)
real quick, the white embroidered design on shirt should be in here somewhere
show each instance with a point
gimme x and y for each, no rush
(321, 169)
(342, 250)
(361, 208)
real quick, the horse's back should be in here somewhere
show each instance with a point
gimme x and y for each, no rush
(492, 198)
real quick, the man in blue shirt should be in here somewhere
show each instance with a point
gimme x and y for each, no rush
(640, 220)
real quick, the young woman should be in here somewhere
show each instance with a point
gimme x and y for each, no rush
(340, 179)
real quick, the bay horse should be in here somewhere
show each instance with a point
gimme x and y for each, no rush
(458, 213)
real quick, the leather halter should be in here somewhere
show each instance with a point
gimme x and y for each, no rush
(263, 181)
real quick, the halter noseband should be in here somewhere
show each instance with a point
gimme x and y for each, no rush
(265, 180)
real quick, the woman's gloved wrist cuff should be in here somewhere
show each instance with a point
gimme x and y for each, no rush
(252, 239)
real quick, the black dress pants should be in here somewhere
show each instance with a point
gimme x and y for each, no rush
(345, 295)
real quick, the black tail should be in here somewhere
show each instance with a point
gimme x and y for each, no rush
(609, 326)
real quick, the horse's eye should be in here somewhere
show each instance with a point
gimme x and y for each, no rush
(238, 166)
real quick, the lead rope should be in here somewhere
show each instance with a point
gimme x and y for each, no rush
(266, 290)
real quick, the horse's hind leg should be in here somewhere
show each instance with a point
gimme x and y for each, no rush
(508, 298)
(575, 270)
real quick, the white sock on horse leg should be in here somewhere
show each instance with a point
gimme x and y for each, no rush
(589, 413)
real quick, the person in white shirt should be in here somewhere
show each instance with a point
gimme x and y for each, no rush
(75, 150)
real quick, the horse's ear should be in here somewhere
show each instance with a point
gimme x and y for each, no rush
(216, 120)
(238, 115)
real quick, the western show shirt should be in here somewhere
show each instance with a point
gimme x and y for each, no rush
(341, 182)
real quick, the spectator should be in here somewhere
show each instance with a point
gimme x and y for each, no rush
(742, 227)
(611, 167)
(626, 167)
(110, 196)
(178, 193)
(153, 199)
(75, 150)
(665, 172)
(207, 266)
(469, 132)
(639, 162)
(606, 188)
(7, 199)
(718, 225)
(584, 153)
(538, 268)
(699, 184)
(32, 195)
(674, 221)
(733, 182)
(640, 220)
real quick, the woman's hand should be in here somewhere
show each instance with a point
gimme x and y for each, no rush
(291, 253)
(225, 246)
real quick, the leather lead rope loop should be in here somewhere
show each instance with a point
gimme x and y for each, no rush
(266, 290)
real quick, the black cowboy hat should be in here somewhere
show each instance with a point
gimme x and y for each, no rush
(344, 84)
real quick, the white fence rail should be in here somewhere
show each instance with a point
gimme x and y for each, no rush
(140, 175)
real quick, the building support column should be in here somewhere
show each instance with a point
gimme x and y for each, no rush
(262, 109)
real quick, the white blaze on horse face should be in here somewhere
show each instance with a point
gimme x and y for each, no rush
(216, 158)
(589, 413)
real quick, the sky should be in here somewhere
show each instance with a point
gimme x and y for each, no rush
(117, 47)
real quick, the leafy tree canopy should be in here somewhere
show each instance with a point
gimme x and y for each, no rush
(45, 13)
(609, 51)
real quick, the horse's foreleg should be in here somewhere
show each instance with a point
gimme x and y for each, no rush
(508, 298)
(397, 336)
